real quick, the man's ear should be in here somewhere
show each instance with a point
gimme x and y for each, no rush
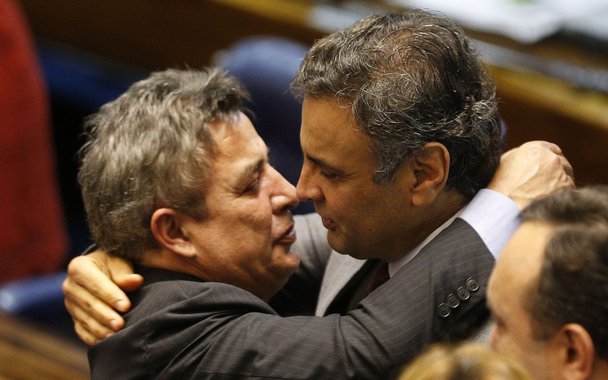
(431, 168)
(168, 229)
(576, 351)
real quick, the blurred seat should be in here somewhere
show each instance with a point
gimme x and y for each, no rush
(38, 297)
(35, 234)
(267, 65)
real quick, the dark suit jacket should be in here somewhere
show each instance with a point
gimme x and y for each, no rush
(182, 328)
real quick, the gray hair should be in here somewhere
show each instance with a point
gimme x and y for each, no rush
(151, 148)
(573, 282)
(411, 78)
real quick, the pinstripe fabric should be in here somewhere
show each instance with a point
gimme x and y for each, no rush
(183, 328)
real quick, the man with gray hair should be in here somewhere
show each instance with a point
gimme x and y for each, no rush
(549, 288)
(153, 170)
(400, 133)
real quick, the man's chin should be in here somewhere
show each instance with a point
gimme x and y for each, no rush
(289, 260)
(339, 244)
(333, 241)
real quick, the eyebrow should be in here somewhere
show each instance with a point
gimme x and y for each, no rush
(322, 164)
(253, 168)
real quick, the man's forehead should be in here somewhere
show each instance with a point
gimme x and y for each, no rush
(328, 127)
(219, 127)
(521, 259)
(529, 241)
(238, 142)
(328, 113)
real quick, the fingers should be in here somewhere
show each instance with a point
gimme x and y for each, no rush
(567, 177)
(89, 294)
(84, 335)
(88, 310)
(559, 168)
(549, 151)
(94, 286)
(84, 273)
(129, 282)
(568, 169)
(532, 170)
(543, 144)
(89, 330)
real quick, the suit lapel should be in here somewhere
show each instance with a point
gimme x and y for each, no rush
(340, 271)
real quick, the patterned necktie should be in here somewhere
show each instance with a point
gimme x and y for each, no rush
(380, 277)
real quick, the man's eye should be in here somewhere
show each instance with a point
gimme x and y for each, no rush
(329, 175)
(253, 187)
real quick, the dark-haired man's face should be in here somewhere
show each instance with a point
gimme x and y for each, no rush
(363, 219)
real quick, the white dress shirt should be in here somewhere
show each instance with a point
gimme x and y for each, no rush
(491, 214)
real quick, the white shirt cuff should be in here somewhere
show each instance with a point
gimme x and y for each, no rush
(494, 217)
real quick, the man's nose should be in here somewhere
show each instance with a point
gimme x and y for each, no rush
(306, 190)
(284, 195)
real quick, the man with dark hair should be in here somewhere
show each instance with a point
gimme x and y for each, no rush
(407, 81)
(548, 290)
(400, 132)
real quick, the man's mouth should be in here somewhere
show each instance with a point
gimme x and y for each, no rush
(328, 223)
(288, 237)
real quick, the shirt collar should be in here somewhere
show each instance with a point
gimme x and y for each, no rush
(394, 266)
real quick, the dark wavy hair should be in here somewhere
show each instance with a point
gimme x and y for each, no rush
(411, 78)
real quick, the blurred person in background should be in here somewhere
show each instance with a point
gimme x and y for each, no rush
(466, 361)
(33, 237)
